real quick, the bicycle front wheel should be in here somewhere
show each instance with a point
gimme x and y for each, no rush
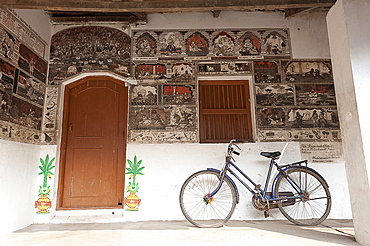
(314, 203)
(202, 212)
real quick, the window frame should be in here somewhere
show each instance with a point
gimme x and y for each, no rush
(251, 103)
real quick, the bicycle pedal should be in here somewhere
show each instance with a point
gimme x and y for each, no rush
(266, 213)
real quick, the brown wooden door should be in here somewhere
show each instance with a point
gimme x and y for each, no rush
(224, 111)
(93, 144)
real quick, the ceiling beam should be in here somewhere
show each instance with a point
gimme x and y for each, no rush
(71, 17)
(159, 6)
(290, 13)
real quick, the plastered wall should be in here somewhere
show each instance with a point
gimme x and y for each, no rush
(169, 163)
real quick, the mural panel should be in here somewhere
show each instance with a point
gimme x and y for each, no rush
(9, 46)
(317, 94)
(171, 43)
(24, 113)
(87, 48)
(144, 95)
(271, 117)
(50, 109)
(182, 72)
(223, 44)
(250, 44)
(266, 72)
(30, 89)
(274, 94)
(197, 44)
(146, 45)
(163, 137)
(308, 71)
(147, 118)
(7, 73)
(230, 67)
(179, 94)
(313, 118)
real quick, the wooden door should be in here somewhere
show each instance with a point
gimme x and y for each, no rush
(224, 111)
(93, 144)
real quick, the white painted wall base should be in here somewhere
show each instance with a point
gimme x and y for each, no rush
(18, 184)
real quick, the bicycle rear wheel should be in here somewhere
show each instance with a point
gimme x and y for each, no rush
(214, 212)
(315, 203)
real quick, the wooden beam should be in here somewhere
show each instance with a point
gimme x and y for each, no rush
(72, 16)
(290, 13)
(157, 6)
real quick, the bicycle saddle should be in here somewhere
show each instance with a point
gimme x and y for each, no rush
(271, 154)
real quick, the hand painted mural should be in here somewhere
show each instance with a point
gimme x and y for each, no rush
(22, 80)
(211, 43)
(132, 201)
(78, 49)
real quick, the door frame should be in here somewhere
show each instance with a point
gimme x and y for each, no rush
(62, 127)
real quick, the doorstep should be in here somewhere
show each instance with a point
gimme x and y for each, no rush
(88, 216)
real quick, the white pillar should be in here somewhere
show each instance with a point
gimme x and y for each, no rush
(348, 24)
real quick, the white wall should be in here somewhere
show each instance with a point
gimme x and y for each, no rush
(167, 166)
(18, 184)
(349, 33)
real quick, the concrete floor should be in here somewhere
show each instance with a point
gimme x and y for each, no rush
(268, 232)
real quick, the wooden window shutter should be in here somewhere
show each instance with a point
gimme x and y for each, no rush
(224, 111)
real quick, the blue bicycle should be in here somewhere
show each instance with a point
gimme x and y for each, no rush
(208, 198)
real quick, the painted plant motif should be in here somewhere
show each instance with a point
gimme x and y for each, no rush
(132, 201)
(43, 203)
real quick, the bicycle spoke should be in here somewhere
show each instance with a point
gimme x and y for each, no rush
(214, 212)
(313, 206)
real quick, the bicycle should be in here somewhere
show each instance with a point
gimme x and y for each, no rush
(208, 198)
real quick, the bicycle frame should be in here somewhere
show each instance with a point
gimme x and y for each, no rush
(262, 193)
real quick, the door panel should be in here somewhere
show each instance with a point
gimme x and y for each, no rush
(93, 146)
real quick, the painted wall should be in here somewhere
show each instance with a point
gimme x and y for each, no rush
(168, 165)
(159, 187)
(19, 161)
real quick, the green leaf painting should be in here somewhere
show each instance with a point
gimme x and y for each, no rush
(134, 170)
(46, 167)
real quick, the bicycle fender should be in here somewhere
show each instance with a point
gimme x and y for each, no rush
(277, 176)
(232, 181)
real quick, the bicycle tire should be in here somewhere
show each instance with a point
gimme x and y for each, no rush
(207, 214)
(311, 209)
